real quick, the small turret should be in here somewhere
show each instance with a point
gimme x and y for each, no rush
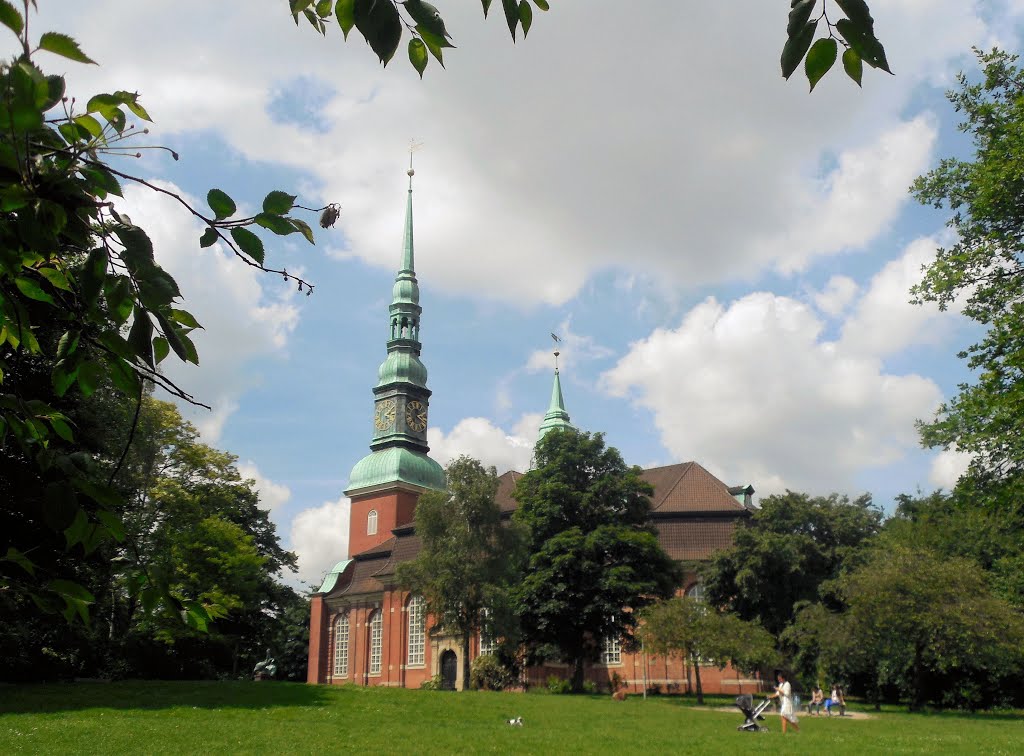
(556, 417)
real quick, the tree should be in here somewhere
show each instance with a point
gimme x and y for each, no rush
(931, 625)
(468, 558)
(381, 22)
(594, 559)
(689, 628)
(793, 546)
(983, 270)
(77, 272)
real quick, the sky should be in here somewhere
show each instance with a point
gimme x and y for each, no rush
(726, 257)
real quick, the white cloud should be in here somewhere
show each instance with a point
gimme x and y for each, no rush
(272, 495)
(319, 536)
(947, 467)
(477, 437)
(836, 296)
(246, 315)
(884, 321)
(576, 185)
(754, 392)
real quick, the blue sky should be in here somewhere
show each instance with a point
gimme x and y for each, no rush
(726, 257)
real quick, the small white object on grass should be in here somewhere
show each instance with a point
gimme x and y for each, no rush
(516, 722)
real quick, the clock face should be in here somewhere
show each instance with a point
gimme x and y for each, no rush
(384, 416)
(416, 415)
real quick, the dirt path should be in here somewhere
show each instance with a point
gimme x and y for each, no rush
(770, 713)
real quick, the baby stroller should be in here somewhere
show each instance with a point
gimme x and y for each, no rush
(745, 703)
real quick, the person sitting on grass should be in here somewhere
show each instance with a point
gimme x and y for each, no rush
(817, 700)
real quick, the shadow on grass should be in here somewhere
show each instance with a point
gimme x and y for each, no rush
(147, 694)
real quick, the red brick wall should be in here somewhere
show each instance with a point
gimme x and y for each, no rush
(393, 508)
(316, 670)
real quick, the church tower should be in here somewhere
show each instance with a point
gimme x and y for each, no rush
(556, 416)
(385, 485)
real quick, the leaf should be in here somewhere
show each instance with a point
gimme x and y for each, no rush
(799, 15)
(221, 204)
(56, 278)
(184, 318)
(418, 55)
(62, 44)
(853, 65)
(90, 124)
(525, 17)
(131, 100)
(209, 237)
(140, 336)
(427, 16)
(323, 8)
(303, 228)
(112, 523)
(511, 8)
(160, 349)
(275, 223)
(62, 429)
(67, 344)
(32, 290)
(102, 494)
(796, 47)
(74, 532)
(379, 23)
(857, 11)
(820, 58)
(123, 376)
(542, 4)
(92, 275)
(61, 378)
(173, 335)
(434, 43)
(11, 18)
(13, 555)
(864, 42)
(89, 376)
(278, 202)
(344, 11)
(487, 6)
(249, 243)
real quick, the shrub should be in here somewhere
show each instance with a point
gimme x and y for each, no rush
(589, 686)
(559, 686)
(488, 673)
(434, 683)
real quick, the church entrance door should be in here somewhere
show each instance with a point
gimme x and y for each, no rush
(449, 670)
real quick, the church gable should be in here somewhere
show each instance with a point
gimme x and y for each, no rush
(688, 487)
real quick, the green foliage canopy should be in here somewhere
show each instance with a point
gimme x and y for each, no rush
(594, 559)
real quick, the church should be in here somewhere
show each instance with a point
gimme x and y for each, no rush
(366, 630)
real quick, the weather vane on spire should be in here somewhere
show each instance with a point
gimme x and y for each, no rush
(413, 146)
(557, 340)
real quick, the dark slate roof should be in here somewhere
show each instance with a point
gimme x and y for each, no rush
(695, 539)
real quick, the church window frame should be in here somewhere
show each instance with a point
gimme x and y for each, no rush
(342, 627)
(371, 522)
(611, 654)
(376, 642)
(416, 646)
(488, 644)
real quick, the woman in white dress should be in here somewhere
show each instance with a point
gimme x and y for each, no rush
(784, 692)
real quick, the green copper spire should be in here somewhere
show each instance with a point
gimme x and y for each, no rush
(556, 416)
(401, 395)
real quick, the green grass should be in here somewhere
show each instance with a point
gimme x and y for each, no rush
(278, 718)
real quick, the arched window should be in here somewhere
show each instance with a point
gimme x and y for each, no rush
(417, 631)
(696, 592)
(371, 522)
(376, 638)
(488, 645)
(341, 645)
(612, 653)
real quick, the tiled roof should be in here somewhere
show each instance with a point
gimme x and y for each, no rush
(684, 487)
(688, 487)
(695, 539)
(506, 485)
(364, 577)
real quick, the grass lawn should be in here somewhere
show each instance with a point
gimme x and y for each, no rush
(217, 718)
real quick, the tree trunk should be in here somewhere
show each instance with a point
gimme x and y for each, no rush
(577, 675)
(465, 661)
(696, 675)
(917, 684)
